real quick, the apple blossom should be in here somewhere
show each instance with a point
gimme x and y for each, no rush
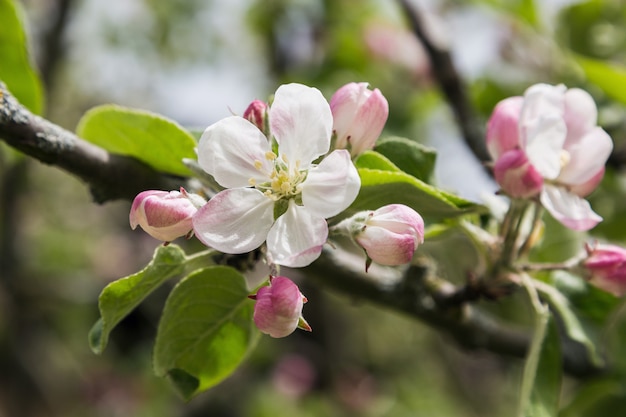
(390, 235)
(278, 308)
(165, 215)
(359, 115)
(547, 143)
(274, 191)
(606, 266)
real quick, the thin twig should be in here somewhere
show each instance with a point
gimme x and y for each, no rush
(450, 83)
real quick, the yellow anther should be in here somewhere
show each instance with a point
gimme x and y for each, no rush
(252, 182)
(258, 164)
(270, 156)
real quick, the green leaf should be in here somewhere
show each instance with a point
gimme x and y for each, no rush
(611, 78)
(374, 160)
(381, 187)
(411, 157)
(546, 387)
(149, 137)
(119, 298)
(206, 330)
(15, 66)
(562, 309)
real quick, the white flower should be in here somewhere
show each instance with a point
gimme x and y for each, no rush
(277, 194)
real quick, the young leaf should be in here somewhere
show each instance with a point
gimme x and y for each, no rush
(411, 157)
(206, 330)
(572, 326)
(119, 298)
(15, 66)
(374, 160)
(380, 187)
(149, 137)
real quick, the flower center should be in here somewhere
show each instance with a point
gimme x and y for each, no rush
(285, 180)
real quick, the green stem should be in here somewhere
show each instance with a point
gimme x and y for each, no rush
(542, 315)
(528, 242)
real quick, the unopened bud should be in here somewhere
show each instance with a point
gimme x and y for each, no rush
(164, 215)
(359, 115)
(606, 266)
(389, 235)
(278, 308)
(516, 176)
(256, 113)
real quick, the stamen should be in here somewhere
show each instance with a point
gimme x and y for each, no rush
(258, 164)
(565, 158)
(252, 182)
(270, 156)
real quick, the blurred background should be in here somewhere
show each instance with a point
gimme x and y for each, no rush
(197, 61)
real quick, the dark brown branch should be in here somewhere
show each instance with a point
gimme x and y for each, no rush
(469, 326)
(109, 176)
(450, 83)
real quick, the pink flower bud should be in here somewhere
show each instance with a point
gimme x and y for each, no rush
(502, 128)
(606, 265)
(516, 175)
(164, 215)
(390, 234)
(256, 113)
(359, 115)
(278, 309)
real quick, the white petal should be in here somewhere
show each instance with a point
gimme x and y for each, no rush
(581, 114)
(297, 237)
(301, 122)
(569, 209)
(542, 128)
(587, 157)
(235, 220)
(331, 186)
(229, 149)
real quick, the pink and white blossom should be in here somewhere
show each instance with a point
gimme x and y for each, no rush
(165, 215)
(278, 308)
(359, 115)
(547, 144)
(606, 266)
(389, 235)
(276, 194)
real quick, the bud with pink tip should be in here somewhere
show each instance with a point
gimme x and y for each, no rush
(165, 215)
(389, 235)
(606, 265)
(256, 113)
(278, 308)
(516, 175)
(359, 115)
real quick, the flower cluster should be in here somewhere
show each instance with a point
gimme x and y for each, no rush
(276, 194)
(547, 144)
(281, 180)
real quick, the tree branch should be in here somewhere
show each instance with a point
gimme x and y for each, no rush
(450, 83)
(109, 176)
(470, 327)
